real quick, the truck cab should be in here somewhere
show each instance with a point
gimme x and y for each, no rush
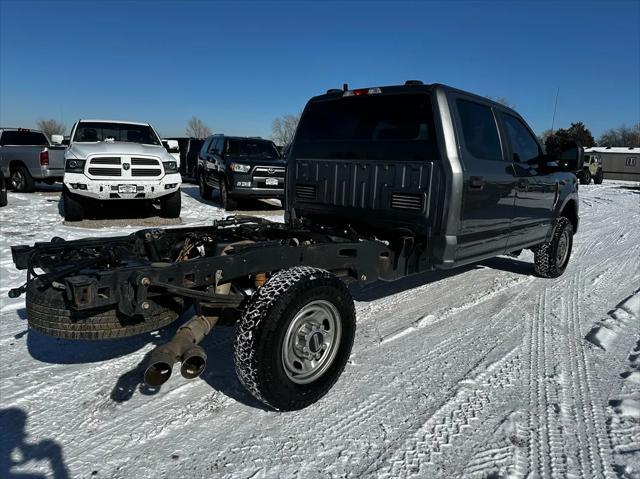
(463, 176)
(115, 161)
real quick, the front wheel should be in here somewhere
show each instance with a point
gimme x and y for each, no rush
(170, 205)
(295, 337)
(551, 258)
(73, 207)
(227, 202)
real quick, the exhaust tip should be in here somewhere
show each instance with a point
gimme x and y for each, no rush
(193, 363)
(157, 373)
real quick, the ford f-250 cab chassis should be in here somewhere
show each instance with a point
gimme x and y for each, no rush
(381, 183)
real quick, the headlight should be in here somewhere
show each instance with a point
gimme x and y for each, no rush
(239, 168)
(170, 167)
(74, 166)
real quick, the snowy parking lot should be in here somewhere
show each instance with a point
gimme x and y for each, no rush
(487, 371)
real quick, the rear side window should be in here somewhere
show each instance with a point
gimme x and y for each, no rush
(479, 130)
(372, 127)
(523, 144)
(23, 138)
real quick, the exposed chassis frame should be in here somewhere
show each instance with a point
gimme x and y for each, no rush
(95, 282)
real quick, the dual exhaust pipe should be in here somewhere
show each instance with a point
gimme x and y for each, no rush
(183, 348)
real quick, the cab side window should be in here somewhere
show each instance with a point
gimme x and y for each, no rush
(479, 130)
(523, 145)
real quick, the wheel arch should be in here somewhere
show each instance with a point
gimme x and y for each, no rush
(570, 211)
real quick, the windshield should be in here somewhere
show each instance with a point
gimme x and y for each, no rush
(252, 148)
(99, 131)
(381, 127)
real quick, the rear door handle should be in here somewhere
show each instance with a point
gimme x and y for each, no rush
(476, 182)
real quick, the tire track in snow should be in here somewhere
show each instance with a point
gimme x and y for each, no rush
(593, 448)
(453, 424)
(546, 456)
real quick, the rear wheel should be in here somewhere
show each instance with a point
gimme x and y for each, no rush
(551, 258)
(227, 202)
(21, 180)
(170, 205)
(295, 337)
(73, 208)
(599, 177)
(3, 191)
(205, 189)
(585, 177)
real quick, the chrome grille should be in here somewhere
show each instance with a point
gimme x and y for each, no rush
(270, 170)
(407, 201)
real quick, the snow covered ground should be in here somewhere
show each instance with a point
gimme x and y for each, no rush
(483, 372)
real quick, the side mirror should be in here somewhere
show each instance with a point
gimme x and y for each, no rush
(57, 139)
(571, 158)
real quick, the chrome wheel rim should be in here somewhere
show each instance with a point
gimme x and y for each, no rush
(17, 180)
(311, 342)
(563, 248)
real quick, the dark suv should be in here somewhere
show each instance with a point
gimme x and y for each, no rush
(240, 168)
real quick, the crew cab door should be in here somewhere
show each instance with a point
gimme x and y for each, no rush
(488, 197)
(536, 191)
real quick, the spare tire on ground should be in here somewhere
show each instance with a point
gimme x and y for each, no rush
(48, 313)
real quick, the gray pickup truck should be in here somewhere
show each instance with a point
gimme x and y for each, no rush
(27, 156)
(381, 183)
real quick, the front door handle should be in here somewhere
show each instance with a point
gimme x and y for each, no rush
(476, 182)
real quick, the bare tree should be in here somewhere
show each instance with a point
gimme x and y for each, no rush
(196, 128)
(51, 127)
(621, 136)
(283, 129)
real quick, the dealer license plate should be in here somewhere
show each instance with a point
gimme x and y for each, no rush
(127, 189)
(272, 181)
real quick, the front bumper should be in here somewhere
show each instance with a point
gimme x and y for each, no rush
(254, 186)
(110, 189)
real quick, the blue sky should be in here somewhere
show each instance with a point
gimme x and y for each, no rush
(239, 65)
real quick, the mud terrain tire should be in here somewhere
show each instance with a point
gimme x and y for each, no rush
(549, 259)
(48, 313)
(261, 334)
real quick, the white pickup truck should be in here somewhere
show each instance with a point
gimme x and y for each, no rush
(115, 161)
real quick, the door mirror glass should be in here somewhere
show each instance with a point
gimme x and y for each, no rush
(571, 158)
